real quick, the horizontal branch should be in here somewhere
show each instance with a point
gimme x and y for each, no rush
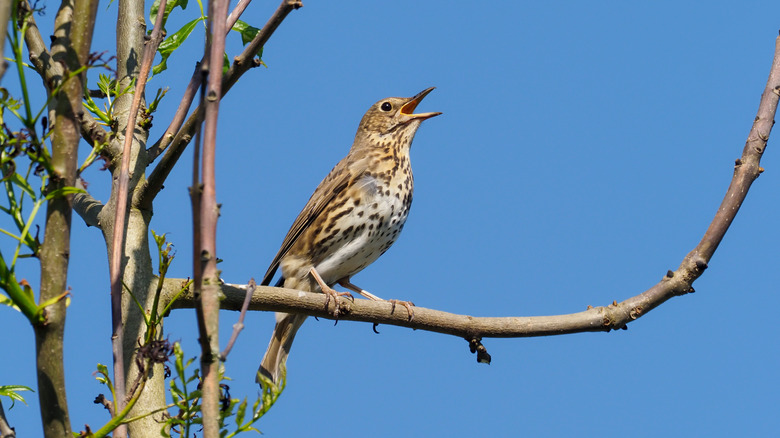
(596, 319)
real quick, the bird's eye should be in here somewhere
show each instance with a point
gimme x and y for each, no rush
(386, 106)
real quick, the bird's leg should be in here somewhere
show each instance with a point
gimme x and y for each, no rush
(344, 282)
(329, 292)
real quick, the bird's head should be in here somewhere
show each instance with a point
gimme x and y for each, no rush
(392, 119)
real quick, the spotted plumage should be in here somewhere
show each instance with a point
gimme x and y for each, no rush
(354, 216)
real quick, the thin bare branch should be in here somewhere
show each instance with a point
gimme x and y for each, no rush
(120, 219)
(207, 281)
(241, 65)
(106, 403)
(239, 325)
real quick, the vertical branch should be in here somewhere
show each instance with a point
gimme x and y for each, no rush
(209, 212)
(72, 39)
(120, 218)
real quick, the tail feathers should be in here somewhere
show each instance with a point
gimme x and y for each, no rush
(287, 325)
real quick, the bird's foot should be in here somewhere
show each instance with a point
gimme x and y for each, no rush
(407, 304)
(344, 282)
(330, 293)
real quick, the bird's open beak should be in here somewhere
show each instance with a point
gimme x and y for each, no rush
(408, 108)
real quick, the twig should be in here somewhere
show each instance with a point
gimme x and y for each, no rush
(238, 326)
(120, 218)
(241, 65)
(106, 403)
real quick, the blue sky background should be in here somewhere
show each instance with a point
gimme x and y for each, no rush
(583, 150)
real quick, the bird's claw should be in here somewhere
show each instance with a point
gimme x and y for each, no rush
(407, 304)
(330, 293)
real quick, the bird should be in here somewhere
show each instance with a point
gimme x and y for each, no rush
(353, 217)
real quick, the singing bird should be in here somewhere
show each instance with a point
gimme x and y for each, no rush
(353, 217)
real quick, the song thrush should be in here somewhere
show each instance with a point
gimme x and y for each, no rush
(353, 217)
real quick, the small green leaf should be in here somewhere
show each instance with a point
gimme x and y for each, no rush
(22, 184)
(12, 392)
(173, 42)
(240, 413)
(248, 33)
(63, 191)
(152, 107)
(169, 5)
(8, 302)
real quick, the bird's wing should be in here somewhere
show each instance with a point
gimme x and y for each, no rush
(349, 169)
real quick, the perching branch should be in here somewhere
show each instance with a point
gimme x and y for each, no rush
(595, 319)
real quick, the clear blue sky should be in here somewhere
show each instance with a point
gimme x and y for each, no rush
(583, 150)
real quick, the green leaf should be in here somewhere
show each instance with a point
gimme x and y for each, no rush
(22, 184)
(12, 392)
(63, 191)
(8, 302)
(169, 5)
(248, 33)
(106, 84)
(173, 42)
(240, 413)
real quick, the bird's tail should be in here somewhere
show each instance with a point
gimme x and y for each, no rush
(287, 324)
